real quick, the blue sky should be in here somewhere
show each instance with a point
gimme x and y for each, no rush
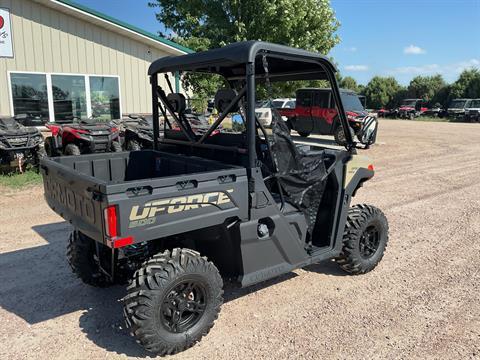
(402, 38)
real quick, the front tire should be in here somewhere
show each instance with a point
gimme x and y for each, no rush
(339, 136)
(72, 149)
(50, 147)
(133, 145)
(173, 301)
(81, 254)
(116, 147)
(365, 239)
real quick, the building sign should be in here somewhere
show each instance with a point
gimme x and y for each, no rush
(6, 42)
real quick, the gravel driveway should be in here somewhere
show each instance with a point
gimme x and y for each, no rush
(423, 301)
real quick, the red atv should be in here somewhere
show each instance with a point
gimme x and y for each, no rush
(315, 113)
(83, 137)
(411, 108)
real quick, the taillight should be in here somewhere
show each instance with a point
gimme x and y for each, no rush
(111, 221)
(370, 167)
(111, 229)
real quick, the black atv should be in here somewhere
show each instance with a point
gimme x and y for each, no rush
(85, 136)
(137, 132)
(20, 146)
(30, 119)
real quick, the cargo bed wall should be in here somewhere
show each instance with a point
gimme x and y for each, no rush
(136, 165)
(157, 194)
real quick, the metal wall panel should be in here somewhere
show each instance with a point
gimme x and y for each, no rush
(47, 40)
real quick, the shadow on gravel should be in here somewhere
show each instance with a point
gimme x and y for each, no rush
(37, 284)
(328, 267)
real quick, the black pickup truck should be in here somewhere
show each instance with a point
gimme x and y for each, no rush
(196, 209)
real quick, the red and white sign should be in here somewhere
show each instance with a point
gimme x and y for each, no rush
(6, 42)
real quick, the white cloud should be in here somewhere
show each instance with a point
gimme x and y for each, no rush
(356, 67)
(350, 49)
(429, 69)
(414, 50)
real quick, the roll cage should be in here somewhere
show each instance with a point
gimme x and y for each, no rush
(242, 65)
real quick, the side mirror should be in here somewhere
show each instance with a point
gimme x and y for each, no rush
(368, 133)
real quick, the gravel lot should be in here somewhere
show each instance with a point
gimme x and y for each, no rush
(421, 302)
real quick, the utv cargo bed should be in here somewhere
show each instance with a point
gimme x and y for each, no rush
(144, 186)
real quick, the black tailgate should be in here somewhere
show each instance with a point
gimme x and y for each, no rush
(75, 197)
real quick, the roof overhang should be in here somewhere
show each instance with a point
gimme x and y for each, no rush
(84, 13)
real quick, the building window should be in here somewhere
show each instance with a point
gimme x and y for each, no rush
(29, 95)
(63, 98)
(105, 97)
(69, 97)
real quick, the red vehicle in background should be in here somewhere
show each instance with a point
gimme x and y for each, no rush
(315, 113)
(85, 136)
(411, 108)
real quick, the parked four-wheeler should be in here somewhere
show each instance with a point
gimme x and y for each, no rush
(137, 132)
(435, 111)
(387, 113)
(196, 209)
(411, 108)
(472, 112)
(84, 136)
(20, 146)
(456, 109)
(29, 119)
(315, 113)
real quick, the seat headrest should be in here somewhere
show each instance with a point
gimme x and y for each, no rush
(223, 98)
(178, 102)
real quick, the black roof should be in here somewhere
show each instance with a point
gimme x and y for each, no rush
(285, 63)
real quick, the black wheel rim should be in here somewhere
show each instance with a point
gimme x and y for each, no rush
(183, 306)
(369, 242)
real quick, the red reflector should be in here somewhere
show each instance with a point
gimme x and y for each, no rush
(370, 167)
(118, 243)
(111, 221)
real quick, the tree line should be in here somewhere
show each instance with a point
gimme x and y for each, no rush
(307, 24)
(386, 92)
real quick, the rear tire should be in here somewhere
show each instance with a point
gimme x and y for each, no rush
(81, 257)
(365, 239)
(173, 301)
(339, 136)
(72, 149)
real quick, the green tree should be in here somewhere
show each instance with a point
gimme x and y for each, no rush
(207, 24)
(381, 91)
(467, 85)
(425, 87)
(350, 83)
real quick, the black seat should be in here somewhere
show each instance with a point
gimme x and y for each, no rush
(300, 175)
